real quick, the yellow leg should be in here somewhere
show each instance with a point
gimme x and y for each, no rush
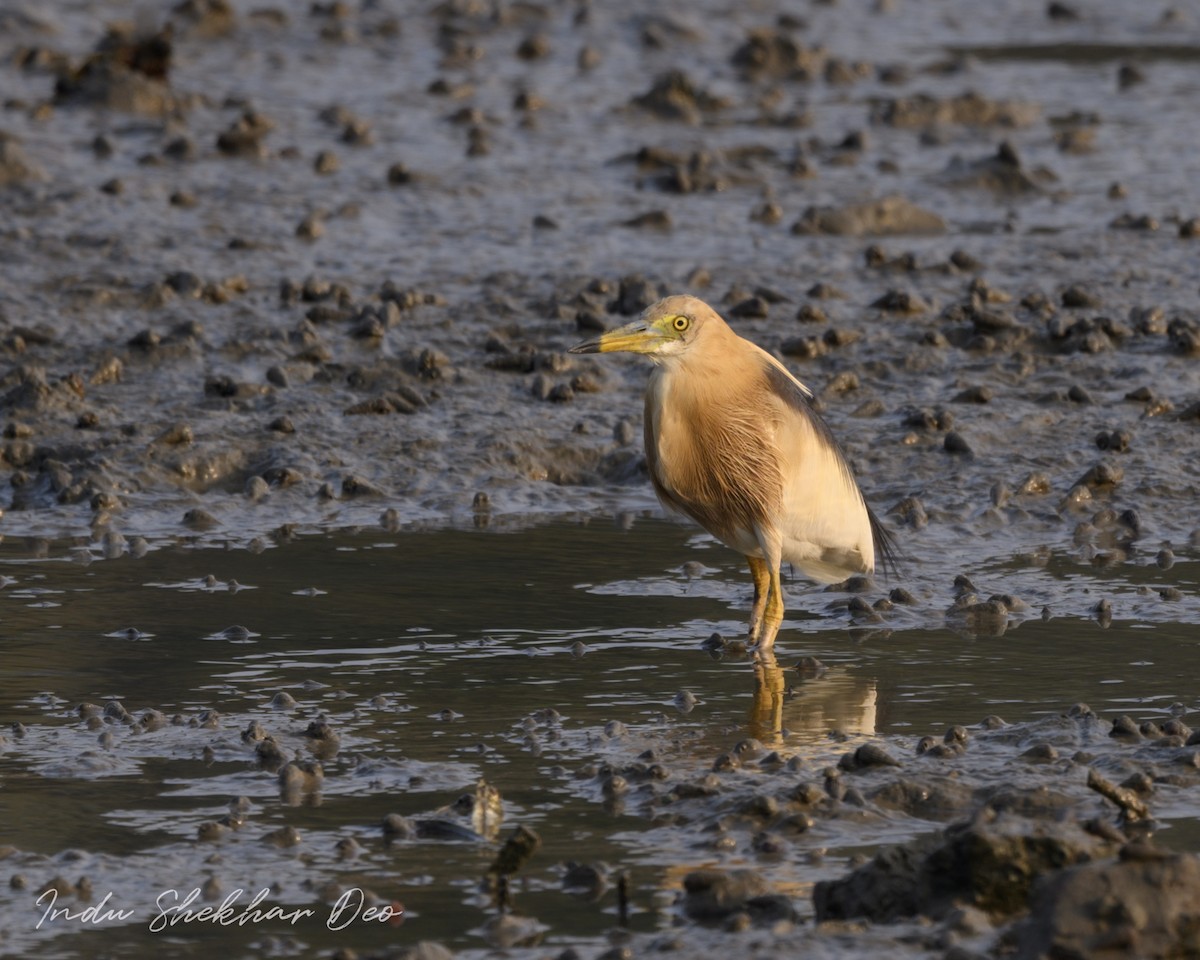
(773, 615)
(762, 588)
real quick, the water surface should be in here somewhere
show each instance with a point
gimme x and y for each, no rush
(431, 654)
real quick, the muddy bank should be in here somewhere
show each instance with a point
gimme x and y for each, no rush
(266, 267)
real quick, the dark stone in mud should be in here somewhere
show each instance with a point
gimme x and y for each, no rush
(976, 394)
(1129, 221)
(222, 386)
(244, 138)
(754, 308)
(902, 596)
(714, 894)
(301, 777)
(353, 486)
(651, 219)
(1002, 174)
(673, 96)
(928, 801)
(774, 54)
(1102, 476)
(901, 301)
(889, 216)
(635, 294)
(205, 19)
(321, 729)
(127, 72)
(1061, 12)
(867, 756)
(1125, 726)
(14, 166)
(1144, 907)
(200, 520)
(1041, 753)
(968, 109)
(1077, 296)
(534, 47)
(33, 391)
(957, 444)
(398, 175)
(990, 862)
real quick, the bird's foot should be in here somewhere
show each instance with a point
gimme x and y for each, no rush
(768, 629)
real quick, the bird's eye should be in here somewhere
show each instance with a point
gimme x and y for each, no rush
(681, 323)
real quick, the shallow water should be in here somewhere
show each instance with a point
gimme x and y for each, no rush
(381, 632)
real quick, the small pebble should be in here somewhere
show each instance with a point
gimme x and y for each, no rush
(955, 443)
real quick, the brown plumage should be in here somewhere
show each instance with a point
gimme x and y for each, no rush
(733, 442)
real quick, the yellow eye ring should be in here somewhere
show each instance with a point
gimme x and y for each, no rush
(681, 323)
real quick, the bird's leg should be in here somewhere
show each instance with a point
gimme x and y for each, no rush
(773, 615)
(762, 588)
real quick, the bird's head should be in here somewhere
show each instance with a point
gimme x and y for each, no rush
(665, 329)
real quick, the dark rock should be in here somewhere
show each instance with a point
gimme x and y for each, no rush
(1077, 296)
(751, 308)
(990, 862)
(768, 53)
(969, 109)
(976, 394)
(901, 301)
(635, 294)
(889, 216)
(244, 138)
(1134, 907)
(127, 72)
(200, 519)
(867, 756)
(534, 47)
(14, 166)
(928, 801)
(651, 219)
(673, 96)
(1056, 10)
(715, 894)
(398, 175)
(1002, 174)
(1129, 75)
(957, 444)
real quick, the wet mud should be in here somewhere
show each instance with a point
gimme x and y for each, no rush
(272, 272)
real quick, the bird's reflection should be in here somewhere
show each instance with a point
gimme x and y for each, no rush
(818, 701)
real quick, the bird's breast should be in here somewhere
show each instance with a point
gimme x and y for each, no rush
(709, 455)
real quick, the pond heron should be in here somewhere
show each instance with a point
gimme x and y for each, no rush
(734, 442)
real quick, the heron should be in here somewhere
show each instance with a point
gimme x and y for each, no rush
(734, 441)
